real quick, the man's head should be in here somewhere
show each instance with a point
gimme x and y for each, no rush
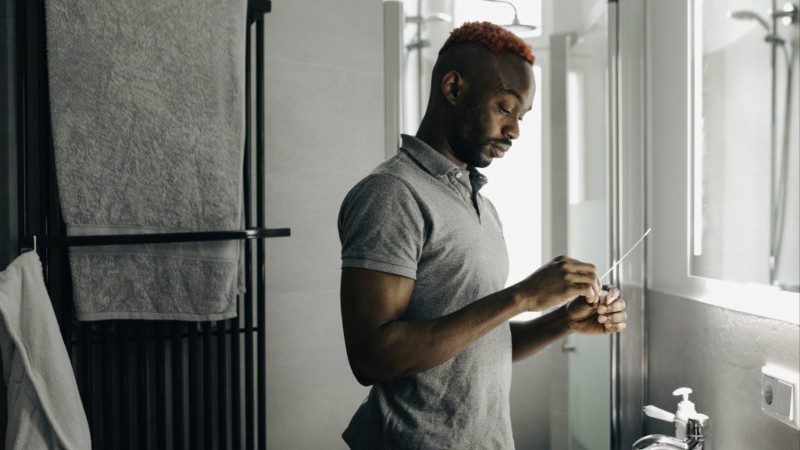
(482, 86)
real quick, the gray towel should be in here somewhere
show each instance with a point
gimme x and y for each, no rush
(44, 406)
(147, 108)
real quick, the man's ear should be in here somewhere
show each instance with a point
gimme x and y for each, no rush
(453, 86)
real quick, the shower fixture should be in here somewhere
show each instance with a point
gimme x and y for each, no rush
(771, 37)
(418, 43)
(779, 175)
(788, 15)
(515, 24)
(748, 15)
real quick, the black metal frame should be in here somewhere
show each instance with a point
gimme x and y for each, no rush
(124, 375)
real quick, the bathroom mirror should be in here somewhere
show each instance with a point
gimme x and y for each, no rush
(744, 121)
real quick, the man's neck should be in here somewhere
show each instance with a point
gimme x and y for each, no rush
(434, 136)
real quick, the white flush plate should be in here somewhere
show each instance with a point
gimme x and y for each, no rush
(779, 394)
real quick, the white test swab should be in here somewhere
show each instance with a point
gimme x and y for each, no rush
(626, 254)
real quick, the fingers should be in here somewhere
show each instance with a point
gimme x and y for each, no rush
(598, 286)
(564, 258)
(614, 327)
(581, 272)
(582, 289)
(573, 265)
(616, 306)
(586, 278)
(613, 294)
(612, 316)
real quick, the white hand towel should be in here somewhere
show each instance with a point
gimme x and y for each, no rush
(44, 406)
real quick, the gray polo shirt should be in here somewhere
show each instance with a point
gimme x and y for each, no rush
(419, 216)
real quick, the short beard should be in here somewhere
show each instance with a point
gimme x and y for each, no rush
(466, 146)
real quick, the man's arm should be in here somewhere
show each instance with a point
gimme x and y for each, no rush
(381, 347)
(529, 337)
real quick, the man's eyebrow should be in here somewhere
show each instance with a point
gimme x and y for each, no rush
(513, 92)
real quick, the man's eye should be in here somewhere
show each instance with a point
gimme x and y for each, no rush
(505, 111)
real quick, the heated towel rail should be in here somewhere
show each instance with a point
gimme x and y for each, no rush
(150, 384)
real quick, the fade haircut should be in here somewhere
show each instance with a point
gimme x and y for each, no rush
(494, 38)
(474, 50)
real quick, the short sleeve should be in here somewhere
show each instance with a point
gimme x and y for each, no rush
(381, 226)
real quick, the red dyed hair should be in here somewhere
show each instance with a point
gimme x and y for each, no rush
(491, 36)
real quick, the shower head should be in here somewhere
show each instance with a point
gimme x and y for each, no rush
(515, 25)
(748, 15)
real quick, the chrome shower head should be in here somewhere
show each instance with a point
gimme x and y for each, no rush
(515, 25)
(748, 15)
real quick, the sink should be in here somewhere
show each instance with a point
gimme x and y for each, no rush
(660, 442)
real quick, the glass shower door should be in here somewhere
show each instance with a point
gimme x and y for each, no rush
(589, 357)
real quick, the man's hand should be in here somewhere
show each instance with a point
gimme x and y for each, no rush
(574, 285)
(557, 282)
(606, 316)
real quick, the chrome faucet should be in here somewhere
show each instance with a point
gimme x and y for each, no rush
(691, 428)
(696, 438)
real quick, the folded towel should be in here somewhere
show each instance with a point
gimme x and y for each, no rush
(44, 407)
(147, 109)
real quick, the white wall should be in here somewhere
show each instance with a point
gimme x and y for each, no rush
(324, 132)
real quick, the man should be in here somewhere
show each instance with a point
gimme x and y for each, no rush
(424, 265)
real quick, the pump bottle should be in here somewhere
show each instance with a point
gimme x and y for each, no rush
(685, 412)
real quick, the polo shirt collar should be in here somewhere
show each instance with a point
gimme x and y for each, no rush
(436, 163)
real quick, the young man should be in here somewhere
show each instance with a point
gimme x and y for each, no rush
(424, 265)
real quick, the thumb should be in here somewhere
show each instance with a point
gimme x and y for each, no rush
(581, 306)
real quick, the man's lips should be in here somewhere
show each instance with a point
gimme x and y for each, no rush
(499, 150)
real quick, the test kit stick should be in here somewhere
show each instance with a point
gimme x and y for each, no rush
(626, 254)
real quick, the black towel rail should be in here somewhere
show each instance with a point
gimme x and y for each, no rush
(151, 384)
(153, 238)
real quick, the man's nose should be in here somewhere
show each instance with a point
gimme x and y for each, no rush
(511, 130)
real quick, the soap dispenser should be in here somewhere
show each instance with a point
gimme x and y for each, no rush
(685, 412)
(691, 428)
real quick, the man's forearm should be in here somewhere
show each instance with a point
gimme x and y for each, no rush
(530, 337)
(402, 348)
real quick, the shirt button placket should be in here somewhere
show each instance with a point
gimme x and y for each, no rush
(457, 185)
